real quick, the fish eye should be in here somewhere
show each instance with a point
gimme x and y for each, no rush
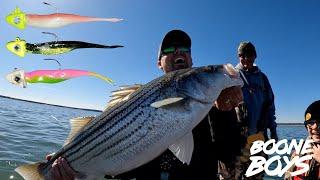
(17, 47)
(16, 20)
(17, 79)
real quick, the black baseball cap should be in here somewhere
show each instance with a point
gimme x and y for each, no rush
(313, 112)
(177, 38)
(247, 48)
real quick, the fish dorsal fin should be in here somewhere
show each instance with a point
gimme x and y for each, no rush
(76, 125)
(183, 148)
(165, 102)
(122, 94)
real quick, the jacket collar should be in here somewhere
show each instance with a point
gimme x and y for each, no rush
(254, 70)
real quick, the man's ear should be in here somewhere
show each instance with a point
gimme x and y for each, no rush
(159, 64)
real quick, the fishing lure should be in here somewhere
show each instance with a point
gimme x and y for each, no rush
(20, 20)
(20, 47)
(21, 78)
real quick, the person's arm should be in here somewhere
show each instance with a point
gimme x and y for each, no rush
(61, 170)
(271, 118)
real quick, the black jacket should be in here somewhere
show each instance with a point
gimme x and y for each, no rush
(216, 140)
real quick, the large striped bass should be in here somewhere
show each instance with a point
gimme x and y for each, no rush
(158, 116)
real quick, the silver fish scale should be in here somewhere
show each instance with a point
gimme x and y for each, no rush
(132, 139)
(124, 124)
(114, 128)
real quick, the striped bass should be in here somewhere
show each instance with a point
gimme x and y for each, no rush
(158, 116)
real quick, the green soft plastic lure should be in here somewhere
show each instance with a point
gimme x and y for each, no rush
(21, 20)
(21, 78)
(20, 47)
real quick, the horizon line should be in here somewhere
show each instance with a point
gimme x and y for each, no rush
(37, 102)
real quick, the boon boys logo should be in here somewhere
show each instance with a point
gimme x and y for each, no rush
(259, 163)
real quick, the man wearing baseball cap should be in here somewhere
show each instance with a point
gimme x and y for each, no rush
(174, 54)
(209, 143)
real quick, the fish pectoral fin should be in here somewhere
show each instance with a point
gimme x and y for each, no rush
(165, 102)
(30, 171)
(183, 148)
(76, 125)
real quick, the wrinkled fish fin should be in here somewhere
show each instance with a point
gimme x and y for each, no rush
(122, 94)
(76, 125)
(183, 148)
(30, 171)
(165, 102)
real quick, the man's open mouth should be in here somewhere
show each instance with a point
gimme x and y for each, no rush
(179, 61)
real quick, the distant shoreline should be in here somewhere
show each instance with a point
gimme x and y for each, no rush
(290, 124)
(95, 110)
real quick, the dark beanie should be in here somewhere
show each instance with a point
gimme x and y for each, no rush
(247, 48)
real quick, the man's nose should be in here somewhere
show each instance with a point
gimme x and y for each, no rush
(177, 51)
(315, 125)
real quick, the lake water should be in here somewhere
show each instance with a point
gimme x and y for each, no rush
(30, 131)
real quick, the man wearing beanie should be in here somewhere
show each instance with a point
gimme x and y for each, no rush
(312, 124)
(258, 95)
(257, 92)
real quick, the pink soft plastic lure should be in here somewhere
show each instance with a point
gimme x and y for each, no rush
(20, 20)
(21, 78)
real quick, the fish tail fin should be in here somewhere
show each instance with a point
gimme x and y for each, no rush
(31, 171)
(92, 45)
(78, 18)
(102, 77)
(109, 19)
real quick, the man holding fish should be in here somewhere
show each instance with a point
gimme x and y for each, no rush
(200, 162)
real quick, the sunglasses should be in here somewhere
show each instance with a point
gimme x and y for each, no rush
(311, 123)
(173, 49)
(243, 55)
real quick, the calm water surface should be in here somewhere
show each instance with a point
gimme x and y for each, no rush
(30, 131)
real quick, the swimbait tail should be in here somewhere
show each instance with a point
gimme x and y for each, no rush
(20, 47)
(21, 78)
(20, 20)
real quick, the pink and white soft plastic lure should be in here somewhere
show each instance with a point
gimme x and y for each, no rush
(20, 20)
(21, 78)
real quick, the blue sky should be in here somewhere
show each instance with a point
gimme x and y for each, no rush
(285, 33)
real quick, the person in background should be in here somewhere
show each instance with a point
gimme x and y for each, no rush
(257, 93)
(312, 124)
(258, 100)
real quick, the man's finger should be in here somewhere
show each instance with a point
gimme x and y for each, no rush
(55, 172)
(66, 170)
(49, 156)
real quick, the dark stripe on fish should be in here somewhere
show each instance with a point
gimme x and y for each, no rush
(118, 122)
(114, 114)
(37, 47)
